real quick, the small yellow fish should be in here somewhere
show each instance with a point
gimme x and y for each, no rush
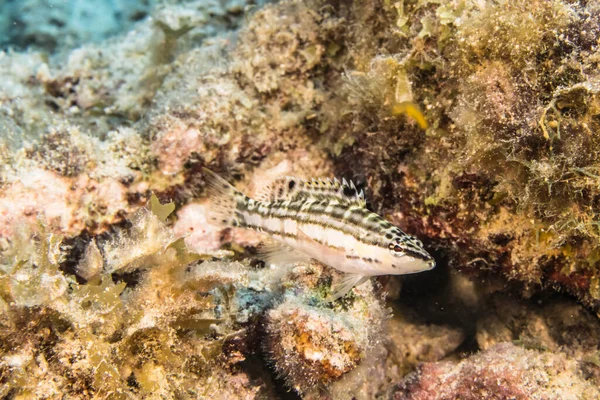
(411, 110)
(321, 219)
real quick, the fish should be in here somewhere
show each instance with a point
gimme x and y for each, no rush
(322, 219)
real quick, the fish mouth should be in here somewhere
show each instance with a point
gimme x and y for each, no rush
(430, 264)
(422, 255)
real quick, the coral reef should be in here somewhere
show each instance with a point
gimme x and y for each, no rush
(155, 317)
(504, 371)
(112, 336)
(311, 346)
(544, 347)
(470, 124)
(503, 179)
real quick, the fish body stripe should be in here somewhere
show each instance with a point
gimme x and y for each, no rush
(365, 226)
(351, 221)
(322, 219)
(333, 210)
(321, 237)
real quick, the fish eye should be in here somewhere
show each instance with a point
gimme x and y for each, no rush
(396, 249)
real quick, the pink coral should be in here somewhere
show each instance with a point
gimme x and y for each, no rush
(67, 205)
(192, 224)
(176, 145)
(504, 371)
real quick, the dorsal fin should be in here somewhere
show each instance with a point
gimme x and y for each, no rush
(292, 189)
(283, 188)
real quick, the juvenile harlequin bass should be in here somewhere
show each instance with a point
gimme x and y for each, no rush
(321, 219)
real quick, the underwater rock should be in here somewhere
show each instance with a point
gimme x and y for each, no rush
(318, 347)
(403, 343)
(310, 346)
(411, 342)
(504, 371)
(221, 119)
(551, 324)
(66, 205)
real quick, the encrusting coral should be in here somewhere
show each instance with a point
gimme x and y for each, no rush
(503, 180)
(504, 371)
(470, 124)
(312, 345)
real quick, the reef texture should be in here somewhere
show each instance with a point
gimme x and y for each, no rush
(547, 349)
(471, 124)
(504, 371)
(503, 181)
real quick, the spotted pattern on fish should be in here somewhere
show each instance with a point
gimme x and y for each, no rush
(290, 188)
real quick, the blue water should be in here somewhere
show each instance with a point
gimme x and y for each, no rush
(54, 25)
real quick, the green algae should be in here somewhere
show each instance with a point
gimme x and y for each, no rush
(162, 211)
(109, 340)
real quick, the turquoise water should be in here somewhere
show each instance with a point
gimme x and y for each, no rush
(58, 24)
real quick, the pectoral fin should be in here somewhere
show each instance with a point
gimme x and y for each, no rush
(311, 245)
(346, 284)
(273, 252)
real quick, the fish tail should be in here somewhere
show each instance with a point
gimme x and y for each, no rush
(225, 200)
